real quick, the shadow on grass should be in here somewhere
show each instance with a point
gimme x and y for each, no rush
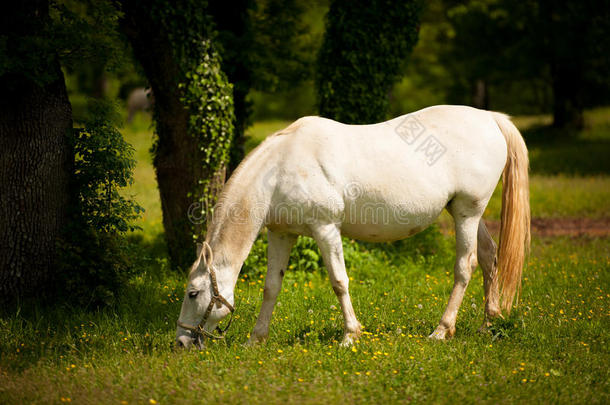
(151, 250)
(141, 320)
(327, 335)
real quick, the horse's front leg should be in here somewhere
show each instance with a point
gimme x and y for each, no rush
(328, 238)
(278, 253)
(465, 263)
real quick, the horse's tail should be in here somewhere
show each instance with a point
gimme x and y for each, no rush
(515, 217)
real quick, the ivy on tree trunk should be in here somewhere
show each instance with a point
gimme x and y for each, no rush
(364, 49)
(193, 112)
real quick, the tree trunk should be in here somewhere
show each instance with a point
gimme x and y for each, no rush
(235, 36)
(177, 161)
(566, 54)
(480, 95)
(34, 162)
(567, 101)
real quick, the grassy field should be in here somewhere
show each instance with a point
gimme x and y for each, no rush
(553, 348)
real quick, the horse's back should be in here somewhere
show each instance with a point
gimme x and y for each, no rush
(440, 144)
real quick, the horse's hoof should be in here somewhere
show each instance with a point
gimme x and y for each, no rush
(437, 335)
(350, 338)
(255, 341)
(252, 343)
(348, 341)
(442, 333)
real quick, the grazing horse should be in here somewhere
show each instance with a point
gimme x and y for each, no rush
(140, 99)
(379, 182)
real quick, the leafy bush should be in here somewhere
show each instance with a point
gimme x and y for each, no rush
(427, 243)
(306, 256)
(103, 164)
(94, 255)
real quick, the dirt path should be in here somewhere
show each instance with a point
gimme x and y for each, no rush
(562, 227)
(546, 227)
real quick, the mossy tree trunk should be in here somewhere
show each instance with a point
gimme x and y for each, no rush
(365, 47)
(179, 156)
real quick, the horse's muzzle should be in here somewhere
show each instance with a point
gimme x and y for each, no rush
(184, 342)
(187, 342)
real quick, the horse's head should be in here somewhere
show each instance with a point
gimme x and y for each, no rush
(203, 306)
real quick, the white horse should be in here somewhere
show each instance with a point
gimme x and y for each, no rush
(379, 182)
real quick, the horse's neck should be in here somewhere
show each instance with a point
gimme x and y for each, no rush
(241, 211)
(238, 218)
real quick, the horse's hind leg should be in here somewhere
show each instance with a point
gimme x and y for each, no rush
(486, 254)
(328, 238)
(465, 262)
(278, 253)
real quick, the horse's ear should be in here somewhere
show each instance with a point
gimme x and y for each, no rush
(199, 248)
(207, 253)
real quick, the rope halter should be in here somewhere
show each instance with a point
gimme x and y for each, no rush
(217, 299)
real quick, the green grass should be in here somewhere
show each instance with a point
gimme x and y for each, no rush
(260, 130)
(561, 196)
(552, 349)
(144, 188)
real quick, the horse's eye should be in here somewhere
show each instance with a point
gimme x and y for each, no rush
(193, 294)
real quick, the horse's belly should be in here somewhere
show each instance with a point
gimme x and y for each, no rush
(380, 222)
(373, 233)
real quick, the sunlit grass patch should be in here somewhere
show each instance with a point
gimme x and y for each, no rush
(561, 196)
(552, 348)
